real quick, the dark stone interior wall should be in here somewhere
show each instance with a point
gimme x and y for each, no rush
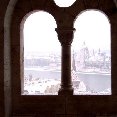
(3, 7)
(55, 106)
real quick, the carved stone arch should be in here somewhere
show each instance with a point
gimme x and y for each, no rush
(59, 105)
(98, 10)
(88, 24)
(14, 14)
(30, 6)
(110, 10)
(19, 15)
(108, 7)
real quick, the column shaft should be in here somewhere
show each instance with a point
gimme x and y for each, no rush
(65, 37)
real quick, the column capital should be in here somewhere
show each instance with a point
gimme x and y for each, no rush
(65, 35)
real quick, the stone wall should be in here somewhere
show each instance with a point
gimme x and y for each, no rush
(3, 7)
(49, 106)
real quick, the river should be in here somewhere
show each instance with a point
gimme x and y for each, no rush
(94, 81)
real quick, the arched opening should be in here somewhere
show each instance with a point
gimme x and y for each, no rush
(64, 3)
(42, 61)
(91, 54)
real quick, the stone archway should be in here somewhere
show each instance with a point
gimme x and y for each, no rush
(70, 105)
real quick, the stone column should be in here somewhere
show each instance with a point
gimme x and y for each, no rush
(65, 36)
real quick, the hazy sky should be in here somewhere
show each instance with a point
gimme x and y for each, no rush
(64, 3)
(91, 26)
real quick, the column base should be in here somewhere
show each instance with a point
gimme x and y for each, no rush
(65, 91)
